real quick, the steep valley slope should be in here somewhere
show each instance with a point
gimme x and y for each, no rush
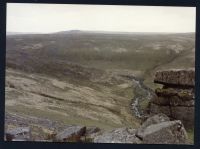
(90, 104)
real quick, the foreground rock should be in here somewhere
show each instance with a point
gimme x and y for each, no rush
(169, 132)
(91, 130)
(176, 98)
(156, 119)
(90, 134)
(157, 129)
(71, 134)
(19, 134)
(121, 135)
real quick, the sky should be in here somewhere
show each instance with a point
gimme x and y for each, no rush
(47, 18)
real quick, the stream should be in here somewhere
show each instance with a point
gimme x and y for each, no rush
(141, 93)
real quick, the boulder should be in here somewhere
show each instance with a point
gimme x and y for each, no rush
(19, 133)
(169, 132)
(91, 130)
(156, 119)
(71, 134)
(48, 133)
(183, 77)
(120, 135)
(90, 137)
(185, 114)
(90, 134)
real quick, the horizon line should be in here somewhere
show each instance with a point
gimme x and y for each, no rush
(77, 30)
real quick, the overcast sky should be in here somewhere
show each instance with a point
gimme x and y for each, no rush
(47, 18)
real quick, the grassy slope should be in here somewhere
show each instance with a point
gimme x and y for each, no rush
(84, 102)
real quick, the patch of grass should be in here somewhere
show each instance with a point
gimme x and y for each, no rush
(54, 116)
(190, 134)
(123, 92)
(144, 104)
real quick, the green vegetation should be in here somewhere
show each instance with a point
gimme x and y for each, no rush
(144, 104)
(24, 111)
(127, 92)
(190, 134)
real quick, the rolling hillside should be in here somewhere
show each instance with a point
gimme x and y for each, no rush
(138, 52)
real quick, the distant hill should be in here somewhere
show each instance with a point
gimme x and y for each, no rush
(21, 33)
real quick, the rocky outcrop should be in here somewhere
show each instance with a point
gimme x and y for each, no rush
(120, 135)
(18, 134)
(180, 77)
(176, 97)
(158, 129)
(91, 133)
(169, 132)
(155, 130)
(156, 119)
(71, 134)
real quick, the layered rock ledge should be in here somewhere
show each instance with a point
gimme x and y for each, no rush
(176, 97)
(177, 77)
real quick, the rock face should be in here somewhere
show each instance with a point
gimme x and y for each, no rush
(120, 135)
(169, 132)
(156, 119)
(71, 134)
(90, 134)
(157, 129)
(19, 134)
(176, 77)
(176, 98)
